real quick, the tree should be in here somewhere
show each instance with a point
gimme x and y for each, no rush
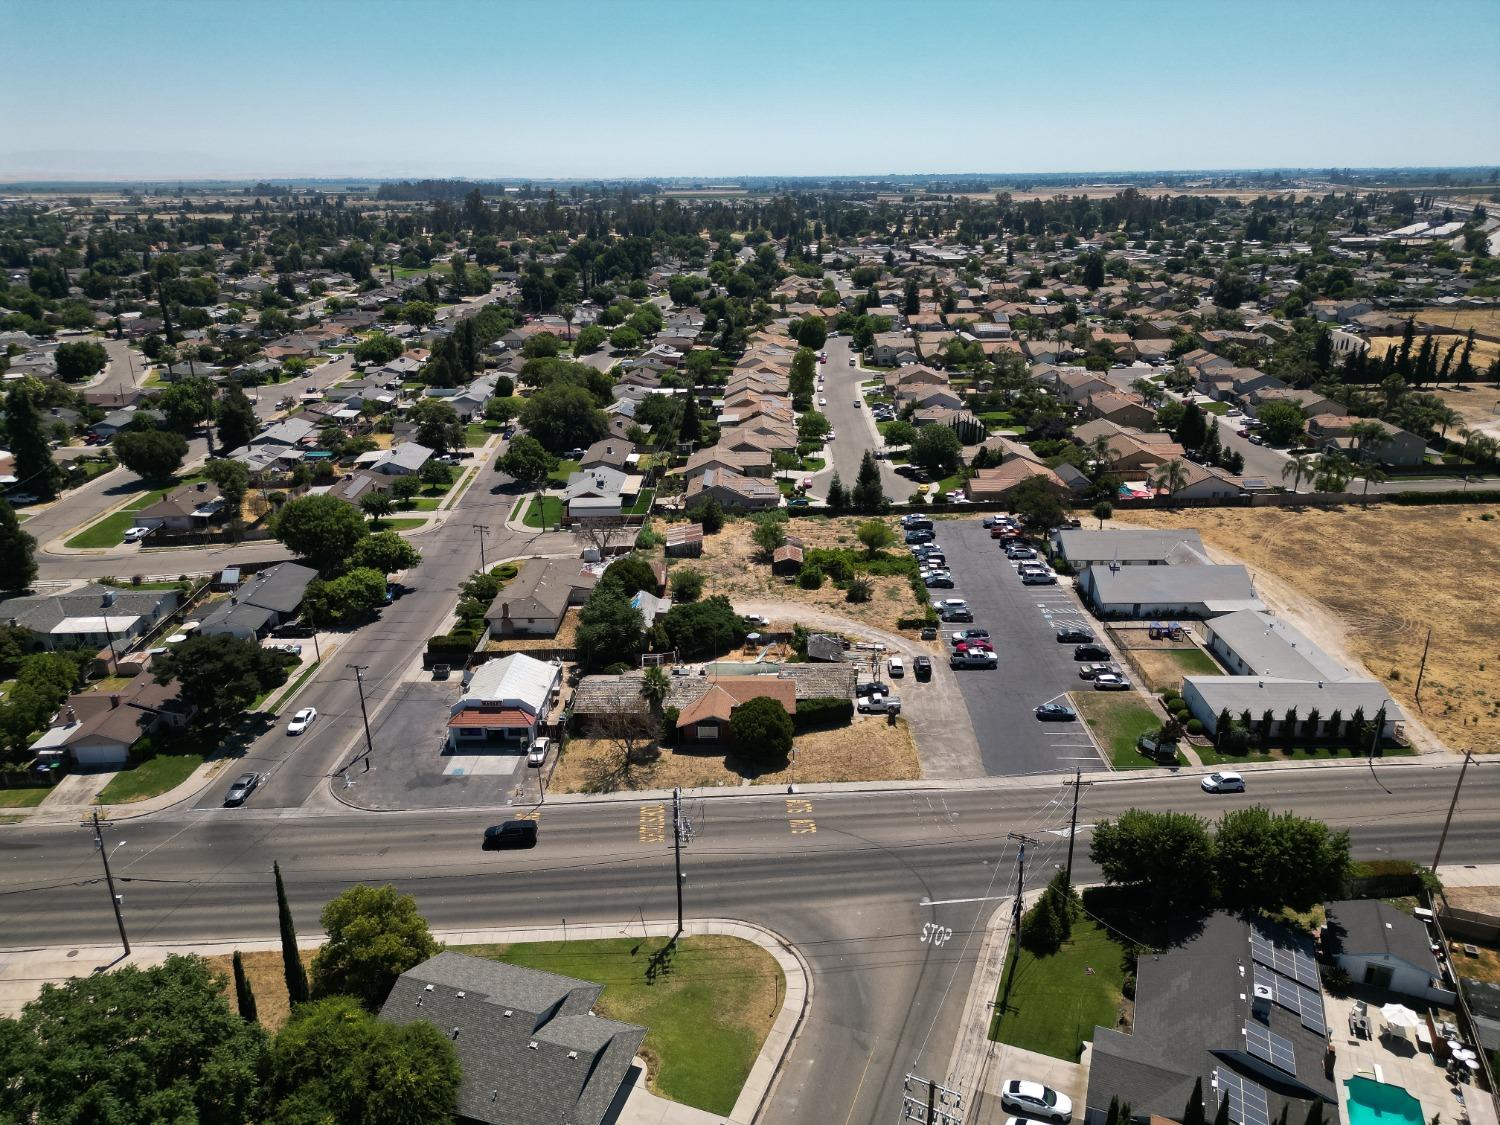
(761, 731)
(1102, 511)
(374, 935)
(937, 449)
(590, 339)
(705, 628)
(244, 995)
(377, 504)
(220, 675)
(320, 529)
(1041, 928)
(813, 426)
(1036, 501)
(1194, 1113)
(526, 461)
(236, 416)
(1191, 430)
(1267, 861)
(419, 314)
(151, 454)
(709, 513)
(378, 348)
(838, 498)
(405, 489)
(1167, 855)
(132, 1045)
(770, 531)
(1334, 472)
(1221, 1115)
(335, 1062)
(187, 404)
(690, 427)
(610, 630)
(859, 590)
(899, 433)
(876, 535)
(291, 959)
(629, 575)
(1170, 478)
(687, 585)
(1280, 422)
(868, 496)
(26, 435)
(562, 417)
(81, 360)
(438, 426)
(17, 552)
(385, 552)
(344, 600)
(1298, 469)
(812, 332)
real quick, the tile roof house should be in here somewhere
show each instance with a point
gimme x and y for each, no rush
(1120, 408)
(530, 1048)
(506, 701)
(707, 718)
(996, 484)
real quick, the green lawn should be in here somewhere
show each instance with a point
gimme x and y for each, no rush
(642, 503)
(149, 778)
(1117, 720)
(564, 470)
(110, 531)
(23, 798)
(707, 1005)
(546, 512)
(398, 523)
(1054, 1002)
(1214, 407)
(477, 433)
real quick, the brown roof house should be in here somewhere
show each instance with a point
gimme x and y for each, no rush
(707, 719)
(996, 484)
(733, 490)
(98, 728)
(534, 601)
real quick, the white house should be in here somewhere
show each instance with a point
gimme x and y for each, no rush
(506, 703)
(1376, 944)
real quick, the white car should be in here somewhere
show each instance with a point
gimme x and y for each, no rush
(136, 534)
(822, 402)
(832, 434)
(1223, 782)
(302, 720)
(858, 401)
(897, 667)
(1041, 1103)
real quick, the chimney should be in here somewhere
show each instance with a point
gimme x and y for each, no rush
(114, 700)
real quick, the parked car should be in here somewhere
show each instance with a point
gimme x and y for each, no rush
(287, 647)
(922, 667)
(21, 499)
(1223, 782)
(1020, 552)
(302, 720)
(977, 659)
(1090, 652)
(939, 580)
(920, 535)
(1039, 578)
(1036, 1101)
(241, 788)
(1090, 671)
(511, 834)
(974, 646)
(896, 666)
(799, 502)
(1111, 681)
(880, 704)
(295, 629)
(1072, 634)
(871, 687)
(537, 753)
(136, 534)
(950, 603)
(956, 615)
(1056, 713)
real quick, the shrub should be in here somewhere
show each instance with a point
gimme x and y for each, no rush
(761, 731)
(687, 585)
(859, 590)
(810, 577)
(827, 710)
(1195, 726)
(669, 717)
(1170, 696)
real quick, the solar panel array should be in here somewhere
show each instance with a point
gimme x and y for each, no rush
(1288, 960)
(1247, 1101)
(1275, 1049)
(1294, 997)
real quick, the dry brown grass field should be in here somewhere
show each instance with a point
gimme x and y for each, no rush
(1485, 351)
(1486, 321)
(1366, 583)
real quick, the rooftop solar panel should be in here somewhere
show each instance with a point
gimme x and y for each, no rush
(1294, 997)
(1247, 1101)
(1288, 960)
(1263, 1043)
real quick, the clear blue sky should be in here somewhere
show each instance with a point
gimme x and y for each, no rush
(245, 88)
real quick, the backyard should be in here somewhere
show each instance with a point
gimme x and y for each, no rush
(1052, 1004)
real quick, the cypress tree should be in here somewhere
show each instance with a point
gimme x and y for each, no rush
(1194, 1114)
(291, 960)
(837, 497)
(1314, 1113)
(1113, 1116)
(244, 997)
(1222, 1116)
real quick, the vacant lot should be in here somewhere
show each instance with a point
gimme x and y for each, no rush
(1366, 584)
(1477, 405)
(1485, 321)
(866, 750)
(1485, 351)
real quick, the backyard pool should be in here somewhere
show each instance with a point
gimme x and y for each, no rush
(1380, 1103)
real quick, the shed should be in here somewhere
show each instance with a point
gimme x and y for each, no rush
(786, 560)
(1377, 944)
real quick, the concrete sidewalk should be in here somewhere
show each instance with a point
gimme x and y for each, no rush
(23, 972)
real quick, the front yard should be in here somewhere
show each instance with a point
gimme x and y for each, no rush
(149, 778)
(1118, 719)
(1052, 1004)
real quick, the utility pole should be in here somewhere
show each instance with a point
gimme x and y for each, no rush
(1453, 804)
(483, 531)
(1073, 824)
(109, 879)
(1422, 668)
(930, 1102)
(359, 679)
(1017, 908)
(682, 833)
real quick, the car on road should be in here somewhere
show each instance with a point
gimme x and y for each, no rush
(302, 720)
(822, 402)
(1056, 713)
(922, 667)
(858, 402)
(1032, 1099)
(851, 361)
(241, 788)
(1223, 782)
(511, 834)
(822, 357)
(1090, 652)
(1111, 681)
(1072, 634)
(970, 635)
(136, 534)
(1256, 439)
(897, 667)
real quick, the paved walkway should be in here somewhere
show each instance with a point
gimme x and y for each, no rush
(23, 973)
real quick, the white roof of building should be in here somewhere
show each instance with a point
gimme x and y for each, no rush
(515, 679)
(1257, 693)
(1272, 646)
(117, 625)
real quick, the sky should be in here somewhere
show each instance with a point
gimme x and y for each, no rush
(184, 89)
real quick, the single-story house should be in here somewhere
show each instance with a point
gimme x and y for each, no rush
(534, 601)
(1208, 696)
(273, 597)
(507, 701)
(997, 483)
(193, 507)
(1376, 944)
(707, 719)
(530, 1049)
(610, 453)
(732, 490)
(98, 728)
(92, 617)
(1167, 591)
(1083, 547)
(398, 461)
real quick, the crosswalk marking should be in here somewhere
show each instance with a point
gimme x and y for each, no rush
(653, 824)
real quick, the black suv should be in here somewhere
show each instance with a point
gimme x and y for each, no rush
(922, 667)
(511, 834)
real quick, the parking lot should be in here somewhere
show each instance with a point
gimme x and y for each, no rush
(1033, 667)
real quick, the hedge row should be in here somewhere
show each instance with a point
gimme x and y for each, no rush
(826, 710)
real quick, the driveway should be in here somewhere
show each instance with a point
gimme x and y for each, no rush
(1034, 668)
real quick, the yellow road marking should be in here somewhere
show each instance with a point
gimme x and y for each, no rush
(653, 824)
(803, 826)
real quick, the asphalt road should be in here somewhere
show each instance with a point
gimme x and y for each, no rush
(853, 895)
(853, 424)
(1033, 667)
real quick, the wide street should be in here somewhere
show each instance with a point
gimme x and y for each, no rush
(853, 894)
(853, 424)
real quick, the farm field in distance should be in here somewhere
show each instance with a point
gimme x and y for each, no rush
(1367, 583)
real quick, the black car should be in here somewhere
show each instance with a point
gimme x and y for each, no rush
(922, 536)
(295, 630)
(1072, 635)
(511, 834)
(243, 786)
(957, 615)
(922, 667)
(1056, 713)
(1091, 652)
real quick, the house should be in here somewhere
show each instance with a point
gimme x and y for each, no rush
(732, 490)
(534, 601)
(1079, 385)
(353, 487)
(1201, 482)
(1208, 696)
(707, 719)
(825, 648)
(1120, 408)
(1398, 449)
(1379, 945)
(260, 606)
(1083, 548)
(996, 484)
(1235, 1004)
(684, 540)
(890, 349)
(98, 728)
(746, 462)
(401, 460)
(530, 1048)
(611, 453)
(92, 617)
(192, 507)
(1251, 643)
(507, 701)
(1167, 591)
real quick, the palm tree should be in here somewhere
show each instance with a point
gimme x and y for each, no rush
(654, 690)
(1334, 472)
(1100, 451)
(1172, 476)
(568, 312)
(1364, 434)
(1445, 416)
(1372, 473)
(1299, 468)
(1467, 437)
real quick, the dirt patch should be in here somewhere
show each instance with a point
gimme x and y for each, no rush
(267, 980)
(564, 639)
(867, 750)
(1367, 583)
(1476, 405)
(1485, 351)
(1165, 668)
(1486, 321)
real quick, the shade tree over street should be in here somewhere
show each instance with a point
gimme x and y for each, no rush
(151, 454)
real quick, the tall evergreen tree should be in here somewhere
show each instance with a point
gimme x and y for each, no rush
(691, 426)
(291, 960)
(1195, 1114)
(1221, 1117)
(868, 495)
(244, 996)
(17, 551)
(1465, 370)
(838, 497)
(27, 435)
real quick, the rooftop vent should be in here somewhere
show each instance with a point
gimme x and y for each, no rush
(428, 988)
(508, 1013)
(572, 1054)
(533, 1045)
(460, 995)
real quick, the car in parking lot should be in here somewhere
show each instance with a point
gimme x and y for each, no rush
(922, 667)
(973, 646)
(241, 788)
(939, 580)
(1224, 781)
(1034, 1100)
(1111, 681)
(981, 658)
(511, 834)
(970, 635)
(1072, 634)
(1090, 652)
(920, 535)
(956, 615)
(896, 666)
(1089, 671)
(1020, 551)
(302, 720)
(1038, 578)
(1056, 713)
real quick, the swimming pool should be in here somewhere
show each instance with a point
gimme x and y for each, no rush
(1380, 1103)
